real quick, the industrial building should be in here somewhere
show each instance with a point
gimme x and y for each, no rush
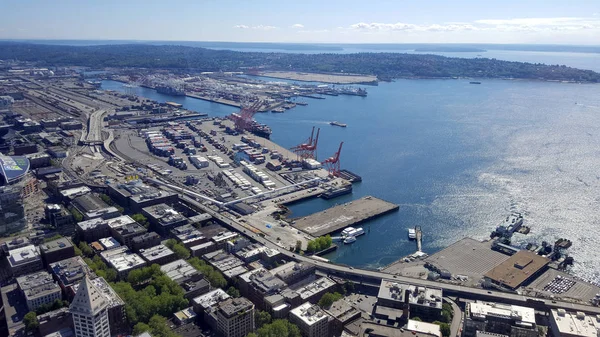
(510, 320)
(38, 289)
(517, 270)
(312, 321)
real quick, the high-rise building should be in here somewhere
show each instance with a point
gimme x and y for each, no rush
(90, 311)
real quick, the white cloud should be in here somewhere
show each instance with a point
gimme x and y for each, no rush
(259, 27)
(501, 25)
(317, 31)
(297, 26)
(412, 27)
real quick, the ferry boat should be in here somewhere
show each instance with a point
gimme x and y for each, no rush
(349, 239)
(336, 123)
(354, 232)
(412, 234)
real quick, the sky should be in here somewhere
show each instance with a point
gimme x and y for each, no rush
(324, 21)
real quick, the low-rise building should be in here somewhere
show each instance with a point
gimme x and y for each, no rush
(224, 262)
(517, 270)
(392, 302)
(56, 250)
(68, 273)
(37, 160)
(203, 249)
(56, 323)
(109, 243)
(573, 324)
(104, 213)
(424, 328)
(93, 229)
(38, 289)
(235, 317)
(312, 321)
(122, 260)
(342, 313)
(159, 254)
(188, 235)
(293, 272)
(313, 291)
(195, 288)
(221, 238)
(163, 218)
(57, 215)
(126, 231)
(145, 240)
(181, 271)
(425, 303)
(14, 244)
(260, 285)
(136, 195)
(510, 320)
(24, 260)
(185, 316)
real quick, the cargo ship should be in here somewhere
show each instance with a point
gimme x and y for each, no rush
(336, 123)
(169, 90)
(353, 91)
(474, 82)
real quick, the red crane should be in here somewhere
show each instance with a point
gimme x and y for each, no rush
(332, 164)
(243, 120)
(309, 148)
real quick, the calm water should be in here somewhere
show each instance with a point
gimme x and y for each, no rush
(457, 158)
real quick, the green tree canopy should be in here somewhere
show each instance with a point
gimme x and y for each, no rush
(31, 322)
(214, 277)
(279, 328)
(261, 318)
(327, 299)
(141, 219)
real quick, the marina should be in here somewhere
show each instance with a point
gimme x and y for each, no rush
(345, 215)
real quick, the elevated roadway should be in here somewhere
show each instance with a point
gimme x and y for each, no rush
(374, 277)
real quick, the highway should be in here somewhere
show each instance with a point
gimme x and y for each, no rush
(94, 130)
(373, 277)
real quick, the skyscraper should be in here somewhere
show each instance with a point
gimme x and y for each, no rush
(89, 311)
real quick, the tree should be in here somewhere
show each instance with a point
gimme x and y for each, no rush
(444, 328)
(140, 328)
(53, 237)
(233, 292)
(179, 249)
(298, 246)
(279, 328)
(311, 246)
(86, 249)
(31, 322)
(261, 318)
(416, 319)
(327, 299)
(141, 219)
(447, 313)
(77, 216)
(214, 277)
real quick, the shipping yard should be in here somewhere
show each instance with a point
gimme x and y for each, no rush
(192, 176)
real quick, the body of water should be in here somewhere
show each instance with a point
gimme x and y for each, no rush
(457, 158)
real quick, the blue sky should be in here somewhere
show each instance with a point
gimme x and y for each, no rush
(330, 21)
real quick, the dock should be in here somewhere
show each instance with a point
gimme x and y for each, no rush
(345, 215)
(419, 234)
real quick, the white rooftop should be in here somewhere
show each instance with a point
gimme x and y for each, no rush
(309, 313)
(76, 191)
(576, 324)
(424, 327)
(211, 298)
(88, 300)
(109, 243)
(315, 287)
(122, 259)
(119, 221)
(178, 270)
(23, 255)
(518, 313)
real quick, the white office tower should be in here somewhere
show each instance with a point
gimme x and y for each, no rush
(89, 311)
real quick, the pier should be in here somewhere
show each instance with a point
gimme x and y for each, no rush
(342, 216)
(419, 234)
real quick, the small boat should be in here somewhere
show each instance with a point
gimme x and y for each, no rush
(412, 234)
(336, 123)
(474, 82)
(349, 240)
